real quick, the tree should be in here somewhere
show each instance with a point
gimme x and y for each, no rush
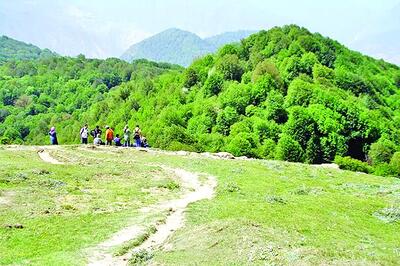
(213, 84)
(289, 149)
(230, 67)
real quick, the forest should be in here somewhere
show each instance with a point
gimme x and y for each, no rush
(284, 94)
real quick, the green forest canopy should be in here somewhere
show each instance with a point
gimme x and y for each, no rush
(11, 49)
(284, 93)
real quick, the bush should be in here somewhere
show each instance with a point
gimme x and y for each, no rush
(267, 149)
(289, 149)
(395, 163)
(381, 151)
(348, 163)
(242, 145)
(384, 169)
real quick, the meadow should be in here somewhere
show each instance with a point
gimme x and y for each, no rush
(263, 212)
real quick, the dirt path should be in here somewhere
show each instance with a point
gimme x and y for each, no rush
(6, 197)
(46, 157)
(175, 220)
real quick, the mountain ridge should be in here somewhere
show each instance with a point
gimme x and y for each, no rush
(11, 49)
(180, 47)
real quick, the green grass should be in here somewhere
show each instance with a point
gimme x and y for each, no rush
(67, 208)
(264, 212)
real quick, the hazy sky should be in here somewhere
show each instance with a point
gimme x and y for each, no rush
(106, 28)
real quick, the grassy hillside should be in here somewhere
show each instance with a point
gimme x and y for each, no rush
(11, 49)
(285, 93)
(264, 212)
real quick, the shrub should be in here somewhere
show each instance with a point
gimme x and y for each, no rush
(242, 145)
(267, 149)
(381, 151)
(289, 149)
(384, 169)
(395, 163)
(348, 163)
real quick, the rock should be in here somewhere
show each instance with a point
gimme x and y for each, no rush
(224, 155)
(182, 153)
(11, 226)
(19, 226)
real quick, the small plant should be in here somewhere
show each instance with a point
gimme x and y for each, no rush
(68, 207)
(232, 187)
(348, 163)
(40, 172)
(136, 241)
(389, 215)
(171, 185)
(273, 199)
(139, 257)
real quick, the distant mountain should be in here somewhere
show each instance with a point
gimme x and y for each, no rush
(11, 49)
(180, 47)
(228, 37)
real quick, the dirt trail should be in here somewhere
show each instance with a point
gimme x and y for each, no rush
(175, 220)
(6, 197)
(46, 157)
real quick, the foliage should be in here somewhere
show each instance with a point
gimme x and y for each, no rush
(348, 163)
(381, 151)
(286, 86)
(289, 149)
(11, 50)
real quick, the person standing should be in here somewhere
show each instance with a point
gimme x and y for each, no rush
(127, 136)
(137, 136)
(84, 134)
(96, 131)
(109, 135)
(53, 136)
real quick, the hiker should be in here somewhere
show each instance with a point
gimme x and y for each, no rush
(53, 136)
(117, 141)
(127, 136)
(96, 131)
(137, 135)
(109, 135)
(144, 143)
(84, 134)
(97, 140)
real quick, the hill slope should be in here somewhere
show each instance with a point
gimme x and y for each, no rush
(263, 212)
(11, 49)
(179, 47)
(285, 94)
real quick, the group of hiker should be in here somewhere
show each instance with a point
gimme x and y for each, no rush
(110, 138)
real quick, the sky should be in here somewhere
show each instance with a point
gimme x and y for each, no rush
(107, 28)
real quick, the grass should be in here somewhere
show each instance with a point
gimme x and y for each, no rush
(67, 208)
(264, 212)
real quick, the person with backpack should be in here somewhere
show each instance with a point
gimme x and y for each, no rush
(137, 136)
(117, 141)
(53, 136)
(84, 134)
(96, 131)
(127, 136)
(109, 135)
